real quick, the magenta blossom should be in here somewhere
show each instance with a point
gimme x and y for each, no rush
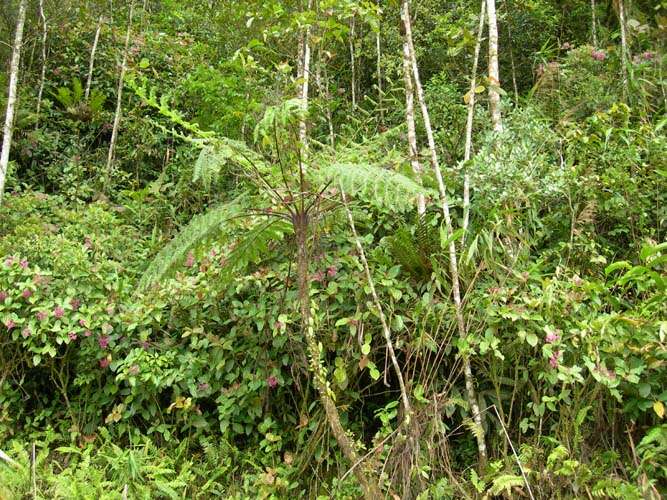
(72, 335)
(9, 261)
(598, 55)
(104, 363)
(552, 337)
(26, 332)
(58, 312)
(82, 323)
(24, 263)
(41, 315)
(103, 341)
(553, 360)
(318, 277)
(272, 382)
(87, 333)
(190, 260)
(3, 296)
(27, 293)
(75, 303)
(9, 324)
(332, 271)
(648, 55)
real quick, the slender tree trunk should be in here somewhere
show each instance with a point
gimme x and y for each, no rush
(383, 320)
(11, 96)
(92, 58)
(625, 54)
(367, 480)
(304, 92)
(453, 264)
(353, 62)
(119, 101)
(494, 72)
(378, 49)
(471, 115)
(594, 24)
(43, 75)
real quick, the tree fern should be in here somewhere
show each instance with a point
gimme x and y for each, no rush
(379, 186)
(201, 228)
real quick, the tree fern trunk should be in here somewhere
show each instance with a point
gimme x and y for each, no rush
(367, 480)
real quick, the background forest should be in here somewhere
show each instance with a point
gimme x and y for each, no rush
(333, 249)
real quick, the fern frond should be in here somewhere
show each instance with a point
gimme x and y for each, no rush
(222, 151)
(201, 228)
(379, 186)
(505, 483)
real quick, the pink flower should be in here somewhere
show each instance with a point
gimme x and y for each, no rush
(648, 55)
(332, 271)
(58, 312)
(272, 382)
(41, 315)
(26, 332)
(82, 323)
(75, 303)
(3, 296)
(104, 363)
(27, 293)
(9, 324)
(190, 260)
(553, 360)
(9, 261)
(87, 333)
(24, 264)
(598, 55)
(318, 277)
(552, 337)
(103, 341)
(72, 335)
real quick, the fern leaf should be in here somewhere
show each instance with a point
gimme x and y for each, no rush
(201, 228)
(381, 187)
(505, 483)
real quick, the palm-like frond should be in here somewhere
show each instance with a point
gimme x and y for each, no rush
(376, 185)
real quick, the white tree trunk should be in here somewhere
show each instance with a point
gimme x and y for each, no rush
(92, 58)
(494, 72)
(353, 62)
(304, 93)
(594, 24)
(625, 54)
(119, 101)
(11, 97)
(453, 263)
(410, 120)
(43, 75)
(471, 115)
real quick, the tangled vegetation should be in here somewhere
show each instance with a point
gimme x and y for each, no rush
(333, 249)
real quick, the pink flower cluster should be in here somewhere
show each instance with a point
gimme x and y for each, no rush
(3, 296)
(598, 55)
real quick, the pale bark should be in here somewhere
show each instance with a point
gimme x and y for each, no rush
(624, 47)
(119, 101)
(383, 320)
(304, 91)
(594, 24)
(43, 75)
(353, 62)
(471, 115)
(453, 263)
(494, 72)
(378, 49)
(92, 58)
(410, 120)
(11, 96)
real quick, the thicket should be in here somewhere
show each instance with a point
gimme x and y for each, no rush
(243, 299)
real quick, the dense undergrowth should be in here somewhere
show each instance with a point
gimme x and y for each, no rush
(151, 335)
